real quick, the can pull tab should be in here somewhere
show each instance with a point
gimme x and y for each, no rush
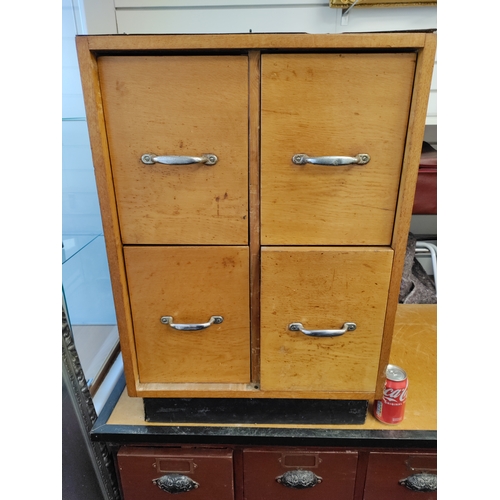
(395, 373)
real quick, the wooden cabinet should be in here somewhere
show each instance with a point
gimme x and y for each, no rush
(274, 473)
(264, 181)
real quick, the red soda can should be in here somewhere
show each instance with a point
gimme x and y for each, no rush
(391, 409)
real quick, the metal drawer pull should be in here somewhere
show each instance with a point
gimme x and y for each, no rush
(299, 479)
(420, 482)
(175, 483)
(151, 158)
(302, 159)
(348, 327)
(168, 320)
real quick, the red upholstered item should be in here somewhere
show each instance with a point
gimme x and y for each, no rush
(426, 193)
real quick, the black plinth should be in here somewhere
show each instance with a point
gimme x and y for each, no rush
(255, 411)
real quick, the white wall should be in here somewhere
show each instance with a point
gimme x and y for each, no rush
(223, 16)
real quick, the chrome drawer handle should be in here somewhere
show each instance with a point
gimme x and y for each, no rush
(299, 479)
(168, 320)
(175, 483)
(151, 158)
(302, 159)
(348, 327)
(420, 482)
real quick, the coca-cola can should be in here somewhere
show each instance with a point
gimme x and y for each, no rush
(391, 408)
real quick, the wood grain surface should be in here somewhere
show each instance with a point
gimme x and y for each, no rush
(332, 105)
(183, 106)
(107, 202)
(191, 284)
(322, 288)
(247, 41)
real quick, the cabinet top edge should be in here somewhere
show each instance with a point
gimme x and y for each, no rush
(413, 40)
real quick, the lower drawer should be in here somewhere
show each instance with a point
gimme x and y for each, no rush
(401, 476)
(155, 473)
(323, 288)
(307, 475)
(190, 285)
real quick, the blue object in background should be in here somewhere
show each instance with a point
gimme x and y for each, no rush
(86, 283)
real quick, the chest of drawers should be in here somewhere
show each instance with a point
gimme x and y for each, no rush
(256, 194)
(269, 473)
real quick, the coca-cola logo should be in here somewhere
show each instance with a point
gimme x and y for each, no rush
(395, 395)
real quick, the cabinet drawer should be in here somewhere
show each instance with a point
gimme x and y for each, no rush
(322, 288)
(208, 472)
(335, 471)
(386, 469)
(190, 285)
(182, 106)
(333, 105)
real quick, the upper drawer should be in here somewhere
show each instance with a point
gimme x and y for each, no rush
(333, 105)
(178, 106)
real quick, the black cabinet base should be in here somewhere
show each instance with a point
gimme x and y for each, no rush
(255, 411)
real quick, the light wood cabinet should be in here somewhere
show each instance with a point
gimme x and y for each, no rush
(256, 236)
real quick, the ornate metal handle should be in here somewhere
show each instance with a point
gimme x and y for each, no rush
(420, 482)
(168, 320)
(175, 483)
(299, 479)
(151, 158)
(348, 327)
(302, 159)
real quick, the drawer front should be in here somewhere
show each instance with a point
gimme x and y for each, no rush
(386, 470)
(322, 288)
(209, 473)
(190, 285)
(333, 105)
(182, 106)
(321, 475)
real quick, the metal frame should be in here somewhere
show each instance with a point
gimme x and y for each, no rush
(80, 405)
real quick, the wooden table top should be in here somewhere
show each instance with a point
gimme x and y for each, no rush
(414, 349)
